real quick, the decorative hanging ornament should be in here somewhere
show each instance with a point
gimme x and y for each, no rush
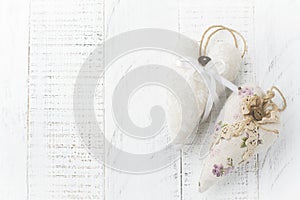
(215, 68)
(249, 122)
(242, 131)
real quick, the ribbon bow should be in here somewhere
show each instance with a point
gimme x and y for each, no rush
(210, 76)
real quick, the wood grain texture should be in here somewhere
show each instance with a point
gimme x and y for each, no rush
(14, 33)
(277, 45)
(122, 16)
(62, 35)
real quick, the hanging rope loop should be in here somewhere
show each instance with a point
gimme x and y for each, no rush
(203, 49)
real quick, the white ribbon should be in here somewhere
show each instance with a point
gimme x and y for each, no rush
(210, 76)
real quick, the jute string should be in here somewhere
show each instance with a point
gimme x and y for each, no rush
(220, 28)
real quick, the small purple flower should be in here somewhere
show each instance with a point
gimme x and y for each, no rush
(218, 170)
(246, 91)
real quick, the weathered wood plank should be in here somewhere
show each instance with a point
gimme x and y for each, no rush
(278, 40)
(122, 16)
(62, 35)
(14, 22)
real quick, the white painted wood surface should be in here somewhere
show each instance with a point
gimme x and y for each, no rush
(277, 46)
(63, 32)
(14, 31)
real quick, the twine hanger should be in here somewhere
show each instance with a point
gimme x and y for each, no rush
(282, 96)
(203, 59)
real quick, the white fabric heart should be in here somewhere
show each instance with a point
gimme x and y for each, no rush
(227, 61)
(241, 131)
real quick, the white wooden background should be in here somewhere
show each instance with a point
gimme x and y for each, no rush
(42, 45)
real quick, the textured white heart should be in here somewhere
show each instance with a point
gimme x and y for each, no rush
(227, 60)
